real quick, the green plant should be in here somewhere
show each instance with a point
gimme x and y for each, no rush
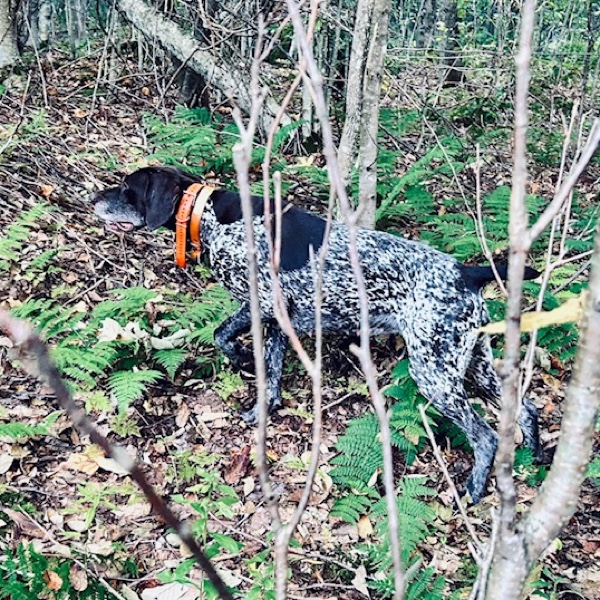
(593, 470)
(209, 497)
(120, 342)
(262, 570)
(17, 234)
(28, 575)
(21, 432)
(356, 472)
(94, 495)
(527, 468)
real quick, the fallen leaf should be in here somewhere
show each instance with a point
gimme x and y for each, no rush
(78, 578)
(6, 461)
(551, 381)
(238, 465)
(46, 190)
(248, 485)
(103, 548)
(365, 528)
(170, 341)
(183, 415)
(53, 580)
(111, 330)
(171, 591)
(360, 581)
(28, 527)
(111, 465)
(81, 462)
(77, 525)
(570, 311)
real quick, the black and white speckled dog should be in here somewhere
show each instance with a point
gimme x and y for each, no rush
(428, 297)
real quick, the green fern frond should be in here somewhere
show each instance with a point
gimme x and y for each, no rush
(351, 508)
(17, 234)
(171, 360)
(18, 431)
(128, 386)
(45, 258)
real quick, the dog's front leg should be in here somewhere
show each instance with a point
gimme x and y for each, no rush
(226, 337)
(276, 343)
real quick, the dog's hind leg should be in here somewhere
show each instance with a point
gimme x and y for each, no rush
(438, 366)
(226, 337)
(485, 382)
(276, 343)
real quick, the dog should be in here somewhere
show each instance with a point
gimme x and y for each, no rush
(428, 297)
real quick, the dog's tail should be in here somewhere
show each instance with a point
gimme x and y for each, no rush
(477, 277)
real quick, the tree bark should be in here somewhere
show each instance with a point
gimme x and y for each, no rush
(76, 16)
(9, 52)
(450, 50)
(355, 88)
(557, 500)
(359, 136)
(367, 178)
(230, 80)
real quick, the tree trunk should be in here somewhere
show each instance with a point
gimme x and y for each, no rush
(359, 136)
(450, 50)
(9, 52)
(425, 28)
(557, 499)
(76, 16)
(367, 179)
(232, 82)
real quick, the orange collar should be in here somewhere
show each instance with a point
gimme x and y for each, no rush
(193, 202)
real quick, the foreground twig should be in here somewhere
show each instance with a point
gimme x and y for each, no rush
(29, 345)
(520, 543)
(314, 80)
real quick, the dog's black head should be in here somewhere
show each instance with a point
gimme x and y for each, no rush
(148, 197)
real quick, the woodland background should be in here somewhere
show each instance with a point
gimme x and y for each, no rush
(91, 91)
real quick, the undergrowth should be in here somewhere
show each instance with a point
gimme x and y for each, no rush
(130, 341)
(357, 473)
(26, 574)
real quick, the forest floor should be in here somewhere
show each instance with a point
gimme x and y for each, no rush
(61, 151)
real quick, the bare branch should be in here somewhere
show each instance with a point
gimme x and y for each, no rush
(518, 255)
(438, 456)
(566, 188)
(313, 78)
(30, 345)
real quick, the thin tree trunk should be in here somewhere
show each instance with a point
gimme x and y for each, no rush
(76, 15)
(355, 88)
(367, 180)
(9, 52)
(359, 136)
(230, 80)
(557, 500)
(450, 50)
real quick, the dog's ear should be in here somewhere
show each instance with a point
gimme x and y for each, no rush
(162, 194)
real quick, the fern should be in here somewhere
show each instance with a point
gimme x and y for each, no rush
(42, 261)
(593, 471)
(18, 431)
(171, 360)
(24, 572)
(127, 386)
(360, 452)
(17, 234)
(353, 506)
